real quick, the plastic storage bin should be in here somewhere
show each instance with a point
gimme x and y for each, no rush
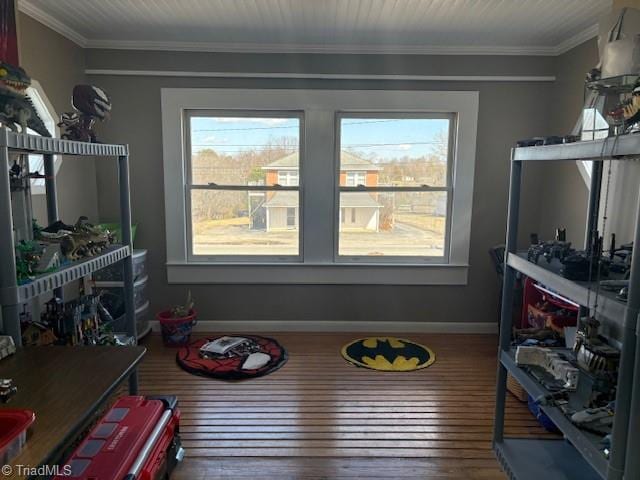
(142, 322)
(13, 432)
(113, 273)
(542, 418)
(113, 295)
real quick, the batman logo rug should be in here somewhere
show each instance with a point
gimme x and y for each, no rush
(389, 354)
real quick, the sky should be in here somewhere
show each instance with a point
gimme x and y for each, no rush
(387, 137)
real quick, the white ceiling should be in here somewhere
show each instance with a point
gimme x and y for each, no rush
(539, 27)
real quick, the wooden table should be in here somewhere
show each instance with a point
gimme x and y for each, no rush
(64, 386)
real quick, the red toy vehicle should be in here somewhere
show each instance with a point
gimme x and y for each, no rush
(138, 439)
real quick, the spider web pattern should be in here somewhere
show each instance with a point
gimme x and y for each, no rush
(190, 360)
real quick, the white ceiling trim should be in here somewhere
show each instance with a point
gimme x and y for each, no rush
(53, 23)
(323, 76)
(577, 39)
(36, 13)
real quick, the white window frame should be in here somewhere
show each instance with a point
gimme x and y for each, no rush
(355, 176)
(362, 187)
(285, 178)
(189, 186)
(318, 154)
(45, 109)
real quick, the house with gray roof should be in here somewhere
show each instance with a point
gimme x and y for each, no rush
(280, 210)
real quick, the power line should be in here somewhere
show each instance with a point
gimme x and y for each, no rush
(291, 126)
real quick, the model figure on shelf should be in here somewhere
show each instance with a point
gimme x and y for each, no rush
(558, 248)
(90, 103)
(16, 108)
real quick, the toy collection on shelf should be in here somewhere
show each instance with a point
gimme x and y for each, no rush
(586, 265)
(562, 345)
(84, 321)
(564, 351)
(48, 248)
(57, 245)
(581, 379)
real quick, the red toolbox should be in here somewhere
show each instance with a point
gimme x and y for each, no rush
(137, 439)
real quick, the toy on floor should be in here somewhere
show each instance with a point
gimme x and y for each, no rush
(232, 357)
(177, 323)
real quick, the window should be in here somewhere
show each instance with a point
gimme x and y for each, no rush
(400, 195)
(291, 217)
(318, 186)
(242, 184)
(49, 117)
(288, 178)
(594, 127)
(354, 179)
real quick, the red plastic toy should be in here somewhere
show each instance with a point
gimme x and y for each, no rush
(13, 432)
(138, 439)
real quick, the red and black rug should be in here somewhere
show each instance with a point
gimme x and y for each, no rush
(232, 357)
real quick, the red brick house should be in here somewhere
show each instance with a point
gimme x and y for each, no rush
(280, 210)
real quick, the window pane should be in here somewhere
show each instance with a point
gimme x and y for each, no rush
(244, 150)
(36, 165)
(394, 151)
(392, 223)
(226, 222)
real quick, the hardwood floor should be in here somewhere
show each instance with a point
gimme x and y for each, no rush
(321, 418)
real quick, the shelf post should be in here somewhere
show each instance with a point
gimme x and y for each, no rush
(506, 312)
(594, 203)
(8, 277)
(50, 186)
(125, 222)
(626, 427)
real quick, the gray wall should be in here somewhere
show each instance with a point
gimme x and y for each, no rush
(508, 111)
(59, 64)
(564, 193)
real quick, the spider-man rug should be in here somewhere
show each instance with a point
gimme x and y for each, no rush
(232, 357)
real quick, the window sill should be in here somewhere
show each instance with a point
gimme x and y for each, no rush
(317, 274)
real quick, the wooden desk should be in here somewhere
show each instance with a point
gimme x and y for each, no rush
(64, 386)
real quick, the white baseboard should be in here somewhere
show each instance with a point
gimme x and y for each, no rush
(257, 326)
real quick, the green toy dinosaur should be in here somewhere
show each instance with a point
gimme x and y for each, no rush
(16, 108)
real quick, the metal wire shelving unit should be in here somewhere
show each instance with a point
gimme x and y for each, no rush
(13, 295)
(579, 455)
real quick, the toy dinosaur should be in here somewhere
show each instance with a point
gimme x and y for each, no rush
(16, 108)
(90, 103)
(76, 241)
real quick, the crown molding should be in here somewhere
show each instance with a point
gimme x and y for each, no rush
(578, 39)
(38, 14)
(53, 23)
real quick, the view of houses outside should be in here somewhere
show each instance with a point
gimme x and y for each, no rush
(393, 152)
(401, 153)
